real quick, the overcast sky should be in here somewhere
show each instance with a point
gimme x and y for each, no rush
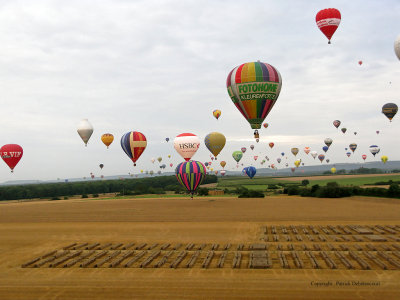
(160, 67)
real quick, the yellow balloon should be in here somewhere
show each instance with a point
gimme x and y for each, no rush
(384, 159)
(333, 170)
(223, 164)
(215, 142)
(297, 163)
(141, 171)
(217, 113)
(107, 139)
(169, 156)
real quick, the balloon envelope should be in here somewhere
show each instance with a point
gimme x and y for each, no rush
(313, 154)
(85, 130)
(389, 110)
(325, 148)
(217, 113)
(252, 147)
(254, 88)
(190, 174)
(397, 47)
(328, 142)
(223, 164)
(307, 150)
(384, 159)
(328, 21)
(265, 125)
(243, 149)
(107, 139)
(353, 147)
(374, 149)
(251, 171)
(215, 142)
(133, 143)
(333, 170)
(271, 145)
(336, 123)
(321, 157)
(344, 130)
(186, 144)
(101, 166)
(294, 151)
(11, 154)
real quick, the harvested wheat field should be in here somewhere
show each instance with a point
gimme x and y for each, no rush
(209, 248)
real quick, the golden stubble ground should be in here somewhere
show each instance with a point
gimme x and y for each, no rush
(30, 229)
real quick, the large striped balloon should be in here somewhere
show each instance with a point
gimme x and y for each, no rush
(254, 88)
(133, 143)
(190, 174)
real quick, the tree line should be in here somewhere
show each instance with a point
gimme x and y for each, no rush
(134, 186)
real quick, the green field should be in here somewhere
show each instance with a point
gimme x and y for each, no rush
(261, 183)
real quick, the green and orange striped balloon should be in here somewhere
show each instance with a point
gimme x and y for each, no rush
(254, 88)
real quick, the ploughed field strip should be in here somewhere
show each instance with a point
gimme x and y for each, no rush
(351, 247)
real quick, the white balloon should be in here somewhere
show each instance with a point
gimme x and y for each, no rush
(186, 144)
(85, 130)
(397, 47)
(314, 154)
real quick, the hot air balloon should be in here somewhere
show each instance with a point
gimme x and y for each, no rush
(222, 172)
(169, 156)
(271, 145)
(251, 171)
(377, 132)
(345, 149)
(344, 130)
(216, 172)
(167, 139)
(328, 21)
(237, 155)
(327, 160)
(355, 133)
(294, 151)
(190, 174)
(255, 157)
(151, 173)
(217, 113)
(297, 163)
(101, 166)
(389, 110)
(171, 164)
(212, 158)
(384, 159)
(163, 166)
(85, 130)
(283, 153)
(265, 125)
(257, 140)
(333, 170)
(325, 148)
(293, 169)
(107, 139)
(348, 154)
(307, 150)
(364, 157)
(321, 157)
(252, 147)
(133, 143)
(186, 144)
(153, 160)
(397, 47)
(374, 149)
(158, 172)
(313, 154)
(206, 164)
(279, 160)
(254, 88)
(223, 164)
(11, 154)
(336, 123)
(360, 62)
(272, 166)
(243, 149)
(328, 142)
(92, 176)
(353, 147)
(159, 159)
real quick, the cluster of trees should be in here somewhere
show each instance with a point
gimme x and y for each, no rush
(334, 190)
(137, 186)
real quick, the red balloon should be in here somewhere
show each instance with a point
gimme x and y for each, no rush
(328, 21)
(360, 62)
(11, 154)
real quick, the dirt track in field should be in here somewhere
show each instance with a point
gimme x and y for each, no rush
(31, 229)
